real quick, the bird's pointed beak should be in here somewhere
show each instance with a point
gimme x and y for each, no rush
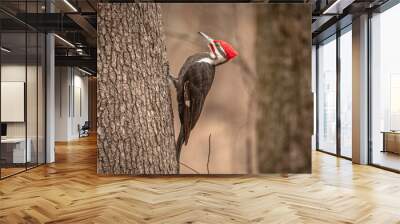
(209, 39)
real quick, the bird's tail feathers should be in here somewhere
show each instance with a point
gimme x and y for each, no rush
(179, 144)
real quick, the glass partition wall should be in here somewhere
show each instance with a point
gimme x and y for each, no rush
(334, 93)
(22, 107)
(385, 89)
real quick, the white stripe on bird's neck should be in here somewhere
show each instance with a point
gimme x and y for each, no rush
(207, 60)
(214, 58)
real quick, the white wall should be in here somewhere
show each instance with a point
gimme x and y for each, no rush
(62, 82)
(13, 72)
(69, 82)
(79, 117)
(13, 101)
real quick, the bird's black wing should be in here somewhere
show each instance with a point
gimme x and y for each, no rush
(192, 106)
(194, 92)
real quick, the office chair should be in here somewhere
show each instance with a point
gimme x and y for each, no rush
(84, 130)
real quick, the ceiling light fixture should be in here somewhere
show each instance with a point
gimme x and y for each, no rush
(70, 5)
(5, 50)
(65, 41)
(84, 71)
(337, 7)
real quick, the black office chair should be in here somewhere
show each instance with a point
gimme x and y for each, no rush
(84, 130)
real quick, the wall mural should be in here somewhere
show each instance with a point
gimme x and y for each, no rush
(204, 89)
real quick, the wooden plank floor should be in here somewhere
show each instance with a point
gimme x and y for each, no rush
(69, 191)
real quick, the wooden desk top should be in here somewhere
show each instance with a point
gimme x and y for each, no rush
(13, 140)
(391, 132)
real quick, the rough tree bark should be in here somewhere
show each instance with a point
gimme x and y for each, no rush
(134, 111)
(284, 101)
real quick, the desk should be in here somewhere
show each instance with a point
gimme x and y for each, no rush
(391, 141)
(13, 150)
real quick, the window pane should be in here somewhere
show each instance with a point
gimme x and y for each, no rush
(346, 94)
(327, 96)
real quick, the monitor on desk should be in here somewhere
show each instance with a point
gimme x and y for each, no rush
(3, 130)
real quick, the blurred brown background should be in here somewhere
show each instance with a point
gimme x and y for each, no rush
(229, 111)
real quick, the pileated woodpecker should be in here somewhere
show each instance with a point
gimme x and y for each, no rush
(193, 83)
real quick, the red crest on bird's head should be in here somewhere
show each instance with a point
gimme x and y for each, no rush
(229, 50)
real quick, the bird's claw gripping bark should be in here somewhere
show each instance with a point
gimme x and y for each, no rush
(173, 80)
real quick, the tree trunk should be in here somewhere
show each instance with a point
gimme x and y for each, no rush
(135, 120)
(285, 103)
